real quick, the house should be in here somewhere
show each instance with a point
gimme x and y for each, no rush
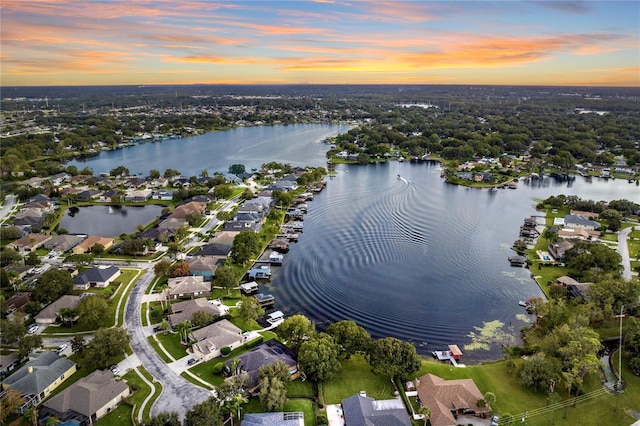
(574, 288)
(579, 233)
(87, 400)
(40, 376)
(212, 338)
(89, 194)
(29, 242)
(190, 286)
(99, 277)
(183, 311)
(8, 363)
(573, 220)
(214, 249)
(85, 245)
(50, 313)
(448, 397)
(295, 418)
(361, 410)
(163, 194)
(557, 250)
(205, 266)
(265, 300)
(137, 195)
(266, 353)
(239, 226)
(170, 224)
(17, 303)
(107, 196)
(63, 243)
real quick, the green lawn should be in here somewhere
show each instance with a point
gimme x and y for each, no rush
(545, 274)
(300, 389)
(121, 416)
(159, 351)
(171, 342)
(356, 376)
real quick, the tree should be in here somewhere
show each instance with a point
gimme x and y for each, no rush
(538, 371)
(249, 309)
(119, 171)
(154, 174)
(350, 337)
(296, 329)
(51, 285)
(226, 277)
(163, 267)
(318, 357)
(97, 249)
(592, 257)
(30, 417)
(106, 344)
(165, 419)
(237, 169)
(78, 344)
(11, 330)
(245, 245)
(233, 392)
(273, 390)
(183, 329)
(169, 173)
(611, 293)
(32, 259)
(222, 191)
(208, 412)
(28, 343)
(392, 357)
(201, 318)
(282, 198)
(67, 315)
(51, 421)
(12, 401)
(93, 312)
(490, 398)
(426, 413)
(180, 269)
(193, 218)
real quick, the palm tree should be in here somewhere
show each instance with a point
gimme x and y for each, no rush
(30, 417)
(490, 398)
(67, 315)
(52, 421)
(235, 405)
(426, 413)
(183, 328)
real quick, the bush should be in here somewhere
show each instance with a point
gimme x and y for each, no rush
(255, 343)
(321, 420)
(225, 351)
(217, 369)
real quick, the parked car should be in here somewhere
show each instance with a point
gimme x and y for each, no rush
(192, 361)
(114, 369)
(156, 329)
(61, 348)
(495, 420)
(32, 328)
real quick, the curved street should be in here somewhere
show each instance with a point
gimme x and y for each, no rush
(623, 250)
(178, 394)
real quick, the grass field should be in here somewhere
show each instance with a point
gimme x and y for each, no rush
(171, 342)
(356, 376)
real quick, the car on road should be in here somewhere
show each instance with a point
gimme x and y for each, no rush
(114, 369)
(61, 348)
(495, 420)
(192, 361)
(32, 328)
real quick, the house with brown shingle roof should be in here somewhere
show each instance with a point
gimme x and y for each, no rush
(190, 286)
(29, 243)
(49, 314)
(212, 338)
(183, 311)
(448, 397)
(86, 245)
(88, 399)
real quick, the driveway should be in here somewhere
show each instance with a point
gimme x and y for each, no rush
(178, 394)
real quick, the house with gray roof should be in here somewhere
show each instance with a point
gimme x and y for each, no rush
(63, 242)
(87, 400)
(183, 311)
(266, 353)
(574, 220)
(557, 250)
(99, 277)
(214, 249)
(361, 410)
(49, 314)
(212, 338)
(295, 418)
(205, 266)
(44, 372)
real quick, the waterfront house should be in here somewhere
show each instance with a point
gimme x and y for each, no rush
(448, 398)
(86, 245)
(64, 242)
(557, 250)
(361, 410)
(137, 195)
(183, 311)
(190, 286)
(87, 400)
(574, 288)
(264, 354)
(89, 194)
(163, 194)
(40, 376)
(578, 233)
(212, 338)
(29, 243)
(49, 314)
(214, 249)
(99, 277)
(205, 266)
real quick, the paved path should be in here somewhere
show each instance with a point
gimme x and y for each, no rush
(623, 249)
(178, 394)
(5, 210)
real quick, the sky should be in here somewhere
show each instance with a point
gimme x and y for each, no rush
(92, 42)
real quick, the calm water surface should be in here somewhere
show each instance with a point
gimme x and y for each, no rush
(108, 221)
(297, 144)
(416, 258)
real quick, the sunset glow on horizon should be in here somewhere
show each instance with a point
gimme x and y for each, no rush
(83, 42)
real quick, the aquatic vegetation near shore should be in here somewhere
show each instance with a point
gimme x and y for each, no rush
(490, 332)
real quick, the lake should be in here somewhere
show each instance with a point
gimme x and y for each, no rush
(416, 258)
(108, 221)
(297, 144)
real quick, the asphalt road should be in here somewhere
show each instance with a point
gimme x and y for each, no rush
(9, 202)
(623, 250)
(178, 394)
